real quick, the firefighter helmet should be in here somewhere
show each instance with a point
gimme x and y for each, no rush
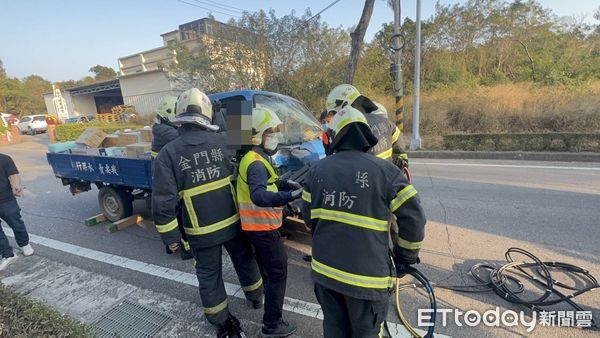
(263, 119)
(193, 106)
(341, 96)
(381, 110)
(346, 116)
(166, 107)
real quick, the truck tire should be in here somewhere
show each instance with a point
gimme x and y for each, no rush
(115, 203)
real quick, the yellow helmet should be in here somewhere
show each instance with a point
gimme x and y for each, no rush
(341, 96)
(193, 106)
(347, 116)
(166, 107)
(381, 110)
(262, 120)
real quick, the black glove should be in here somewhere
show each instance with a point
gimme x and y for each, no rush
(401, 270)
(288, 185)
(293, 185)
(295, 207)
(401, 163)
(402, 267)
(296, 194)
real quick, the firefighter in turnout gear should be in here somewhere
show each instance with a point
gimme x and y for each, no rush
(260, 203)
(348, 198)
(195, 168)
(163, 132)
(389, 146)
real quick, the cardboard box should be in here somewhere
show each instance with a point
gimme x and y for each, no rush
(120, 140)
(62, 147)
(111, 140)
(137, 135)
(138, 150)
(91, 137)
(88, 151)
(146, 135)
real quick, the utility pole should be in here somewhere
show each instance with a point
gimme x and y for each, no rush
(396, 68)
(415, 141)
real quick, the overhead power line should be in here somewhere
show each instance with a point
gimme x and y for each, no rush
(227, 6)
(300, 25)
(210, 9)
(321, 12)
(223, 7)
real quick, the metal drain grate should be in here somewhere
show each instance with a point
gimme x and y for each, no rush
(130, 319)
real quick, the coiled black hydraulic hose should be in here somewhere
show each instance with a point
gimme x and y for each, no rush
(409, 270)
(504, 282)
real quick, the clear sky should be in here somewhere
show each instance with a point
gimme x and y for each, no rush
(61, 40)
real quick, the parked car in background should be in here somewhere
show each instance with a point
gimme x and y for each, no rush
(33, 124)
(78, 119)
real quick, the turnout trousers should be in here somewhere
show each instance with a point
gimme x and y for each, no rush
(209, 272)
(272, 260)
(345, 316)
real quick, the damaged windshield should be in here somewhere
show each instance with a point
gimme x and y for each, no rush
(299, 124)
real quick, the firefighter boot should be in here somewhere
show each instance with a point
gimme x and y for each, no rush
(231, 329)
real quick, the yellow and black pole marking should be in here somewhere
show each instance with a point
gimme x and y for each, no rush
(400, 113)
(397, 43)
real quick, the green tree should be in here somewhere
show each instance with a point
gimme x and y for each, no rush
(103, 73)
(307, 56)
(34, 87)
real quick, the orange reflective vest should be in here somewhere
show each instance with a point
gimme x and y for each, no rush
(253, 217)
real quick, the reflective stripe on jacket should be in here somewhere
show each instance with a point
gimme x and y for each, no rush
(195, 169)
(388, 135)
(253, 217)
(348, 200)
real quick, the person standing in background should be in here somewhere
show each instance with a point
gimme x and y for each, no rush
(10, 212)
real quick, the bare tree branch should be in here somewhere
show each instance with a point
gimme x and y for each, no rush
(529, 57)
(357, 39)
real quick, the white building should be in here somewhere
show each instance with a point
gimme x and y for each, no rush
(141, 81)
(97, 98)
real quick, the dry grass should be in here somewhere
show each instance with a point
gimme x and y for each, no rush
(521, 107)
(23, 317)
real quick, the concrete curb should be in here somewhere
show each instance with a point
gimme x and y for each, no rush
(88, 296)
(507, 155)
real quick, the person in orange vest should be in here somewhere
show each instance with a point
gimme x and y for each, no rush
(260, 203)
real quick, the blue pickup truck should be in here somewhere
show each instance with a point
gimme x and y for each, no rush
(120, 181)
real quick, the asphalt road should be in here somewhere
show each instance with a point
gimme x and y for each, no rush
(476, 210)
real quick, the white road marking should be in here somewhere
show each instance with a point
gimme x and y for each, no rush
(504, 166)
(292, 305)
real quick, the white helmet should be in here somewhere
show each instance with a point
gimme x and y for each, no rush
(341, 96)
(381, 110)
(166, 107)
(193, 106)
(263, 119)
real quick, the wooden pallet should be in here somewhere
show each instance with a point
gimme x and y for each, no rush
(95, 220)
(120, 224)
(109, 118)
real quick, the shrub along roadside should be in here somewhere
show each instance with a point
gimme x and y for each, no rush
(23, 317)
(571, 142)
(70, 132)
